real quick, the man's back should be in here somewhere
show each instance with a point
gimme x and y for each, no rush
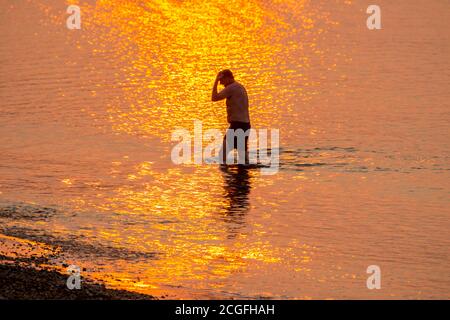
(237, 103)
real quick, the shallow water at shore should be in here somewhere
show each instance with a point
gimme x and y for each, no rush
(85, 170)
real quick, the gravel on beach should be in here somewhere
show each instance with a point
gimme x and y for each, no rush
(24, 283)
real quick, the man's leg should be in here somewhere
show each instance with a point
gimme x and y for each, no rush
(247, 156)
(224, 151)
(243, 149)
(246, 129)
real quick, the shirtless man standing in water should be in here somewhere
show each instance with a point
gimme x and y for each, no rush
(237, 110)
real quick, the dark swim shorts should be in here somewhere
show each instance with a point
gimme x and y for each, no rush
(234, 125)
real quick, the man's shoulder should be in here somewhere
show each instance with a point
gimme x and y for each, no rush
(237, 85)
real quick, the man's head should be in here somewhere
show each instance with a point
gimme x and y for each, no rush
(227, 77)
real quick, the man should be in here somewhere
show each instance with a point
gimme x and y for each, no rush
(237, 111)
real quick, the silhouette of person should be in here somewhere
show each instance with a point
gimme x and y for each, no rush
(237, 114)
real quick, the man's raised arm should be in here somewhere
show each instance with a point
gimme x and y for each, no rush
(216, 96)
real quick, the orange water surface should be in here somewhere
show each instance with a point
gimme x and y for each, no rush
(86, 118)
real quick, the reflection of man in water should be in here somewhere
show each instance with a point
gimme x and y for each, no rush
(237, 190)
(237, 110)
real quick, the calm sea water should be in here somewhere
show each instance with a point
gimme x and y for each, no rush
(87, 115)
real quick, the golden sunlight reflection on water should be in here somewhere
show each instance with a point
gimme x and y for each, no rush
(361, 157)
(172, 51)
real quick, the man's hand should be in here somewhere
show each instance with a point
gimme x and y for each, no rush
(214, 96)
(219, 76)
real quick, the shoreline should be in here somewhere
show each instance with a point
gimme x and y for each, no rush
(24, 271)
(19, 282)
